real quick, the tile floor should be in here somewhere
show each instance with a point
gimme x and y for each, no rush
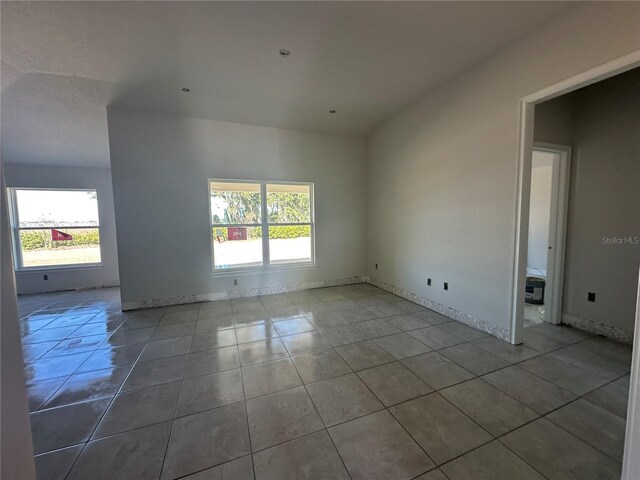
(344, 382)
(532, 314)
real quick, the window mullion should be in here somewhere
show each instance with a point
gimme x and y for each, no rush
(15, 220)
(266, 261)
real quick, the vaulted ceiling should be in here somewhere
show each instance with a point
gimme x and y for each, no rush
(63, 63)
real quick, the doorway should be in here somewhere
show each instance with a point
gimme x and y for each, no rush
(550, 167)
(526, 143)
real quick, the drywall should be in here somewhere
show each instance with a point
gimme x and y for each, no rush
(16, 461)
(442, 175)
(539, 211)
(601, 123)
(553, 121)
(160, 166)
(603, 230)
(20, 175)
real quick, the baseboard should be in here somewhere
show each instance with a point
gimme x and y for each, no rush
(252, 292)
(598, 328)
(452, 313)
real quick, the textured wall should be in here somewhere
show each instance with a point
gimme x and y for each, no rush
(72, 177)
(442, 175)
(160, 166)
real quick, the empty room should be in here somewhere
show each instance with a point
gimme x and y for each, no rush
(320, 240)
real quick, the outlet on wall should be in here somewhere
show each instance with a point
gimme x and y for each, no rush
(46, 277)
(428, 282)
(446, 285)
(235, 281)
(376, 266)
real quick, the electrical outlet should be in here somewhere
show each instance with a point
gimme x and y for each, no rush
(446, 285)
(235, 281)
(376, 266)
(428, 282)
(591, 296)
(46, 277)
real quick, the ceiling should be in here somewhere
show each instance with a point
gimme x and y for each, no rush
(64, 62)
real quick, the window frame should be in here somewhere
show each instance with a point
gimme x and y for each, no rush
(14, 220)
(264, 225)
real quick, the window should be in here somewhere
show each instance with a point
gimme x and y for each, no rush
(261, 224)
(54, 228)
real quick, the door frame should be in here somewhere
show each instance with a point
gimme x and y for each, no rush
(560, 183)
(525, 150)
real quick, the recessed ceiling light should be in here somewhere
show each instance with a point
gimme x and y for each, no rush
(332, 111)
(186, 90)
(284, 53)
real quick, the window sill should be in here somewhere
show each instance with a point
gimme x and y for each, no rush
(87, 266)
(260, 270)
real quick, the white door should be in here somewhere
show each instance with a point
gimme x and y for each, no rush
(547, 222)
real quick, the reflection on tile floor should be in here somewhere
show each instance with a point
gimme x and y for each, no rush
(532, 314)
(344, 382)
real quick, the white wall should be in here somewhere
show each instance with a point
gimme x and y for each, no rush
(441, 176)
(16, 460)
(539, 211)
(19, 175)
(554, 120)
(160, 165)
(601, 123)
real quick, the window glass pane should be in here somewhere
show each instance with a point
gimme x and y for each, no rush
(237, 247)
(290, 244)
(41, 248)
(235, 203)
(288, 203)
(61, 208)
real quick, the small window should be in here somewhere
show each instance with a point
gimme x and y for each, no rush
(261, 224)
(54, 228)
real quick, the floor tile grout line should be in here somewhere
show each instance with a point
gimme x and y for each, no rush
(41, 409)
(537, 413)
(552, 382)
(43, 327)
(555, 384)
(571, 364)
(361, 416)
(517, 454)
(94, 428)
(246, 413)
(181, 477)
(203, 411)
(432, 470)
(499, 439)
(138, 361)
(101, 417)
(477, 376)
(326, 429)
(540, 416)
(532, 373)
(574, 435)
(175, 410)
(493, 437)
(453, 405)
(68, 378)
